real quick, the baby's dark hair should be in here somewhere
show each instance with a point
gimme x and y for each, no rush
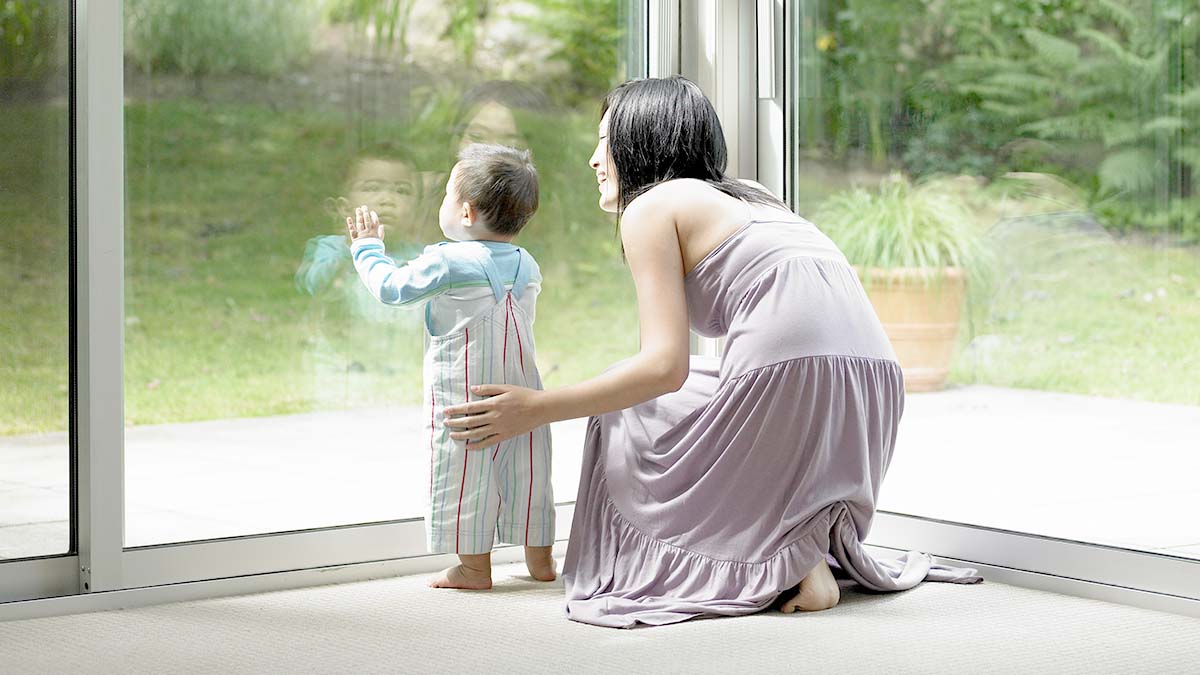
(501, 183)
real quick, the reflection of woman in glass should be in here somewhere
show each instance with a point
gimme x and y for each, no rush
(718, 486)
(490, 113)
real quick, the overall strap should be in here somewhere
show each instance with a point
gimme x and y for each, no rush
(524, 272)
(493, 274)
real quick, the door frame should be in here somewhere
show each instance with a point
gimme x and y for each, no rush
(104, 574)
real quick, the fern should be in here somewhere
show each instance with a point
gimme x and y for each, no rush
(1099, 87)
(1120, 132)
(1025, 83)
(1188, 99)
(1128, 60)
(1083, 125)
(1190, 155)
(1131, 170)
(1054, 50)
(1167, 123)
(1118, 13)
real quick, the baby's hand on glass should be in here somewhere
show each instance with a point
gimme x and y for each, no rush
(365, 223)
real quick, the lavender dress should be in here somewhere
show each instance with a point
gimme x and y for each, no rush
(715, 499)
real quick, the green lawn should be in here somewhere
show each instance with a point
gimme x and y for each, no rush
(220, 203)
(1084, 313)
(221, 200)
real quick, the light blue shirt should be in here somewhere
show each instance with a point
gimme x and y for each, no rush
(449, 278)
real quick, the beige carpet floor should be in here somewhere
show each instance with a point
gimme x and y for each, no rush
(398, 625)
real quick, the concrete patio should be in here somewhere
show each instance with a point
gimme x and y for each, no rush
(1108, 471)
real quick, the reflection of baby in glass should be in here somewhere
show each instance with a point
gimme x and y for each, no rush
(479, 293)
(392, 189)
(342, 311)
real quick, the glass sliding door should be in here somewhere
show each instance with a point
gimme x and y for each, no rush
(1050, 154)
(35, 310)
(265, 389)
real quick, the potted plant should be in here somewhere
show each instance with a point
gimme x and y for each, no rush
(912, 247)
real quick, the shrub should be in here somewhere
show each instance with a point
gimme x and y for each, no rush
(28, 40)
(902, 226)
(1111, 97)
(198, 38)
(588, 34)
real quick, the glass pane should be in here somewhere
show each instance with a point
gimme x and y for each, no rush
(266, 389)
(1051, 152)
(34, 267)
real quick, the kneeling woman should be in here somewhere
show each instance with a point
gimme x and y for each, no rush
(719, 486)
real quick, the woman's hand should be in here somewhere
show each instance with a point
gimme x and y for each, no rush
(508, 412)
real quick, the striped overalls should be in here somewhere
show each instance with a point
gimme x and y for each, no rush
(501, 491)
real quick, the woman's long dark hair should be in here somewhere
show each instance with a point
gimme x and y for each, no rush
(660, 129)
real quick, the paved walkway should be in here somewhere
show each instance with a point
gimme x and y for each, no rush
(1100, 470)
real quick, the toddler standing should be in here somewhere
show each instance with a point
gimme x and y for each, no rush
(479, 293)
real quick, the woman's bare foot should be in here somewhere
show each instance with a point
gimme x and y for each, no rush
(474, 574)
(540, 562)
(819, 590)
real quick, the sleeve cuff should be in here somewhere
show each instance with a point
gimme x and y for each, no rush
(365, 241)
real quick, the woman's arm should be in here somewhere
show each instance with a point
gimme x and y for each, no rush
(652, 249)
(661, 364)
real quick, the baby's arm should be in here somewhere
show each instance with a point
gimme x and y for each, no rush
(406, 284)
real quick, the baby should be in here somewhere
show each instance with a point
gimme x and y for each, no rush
(479, 292)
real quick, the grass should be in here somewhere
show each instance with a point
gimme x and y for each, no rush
(1081, 312)
(221, 200)
(220, 203)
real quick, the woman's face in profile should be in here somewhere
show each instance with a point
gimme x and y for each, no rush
(601, 163)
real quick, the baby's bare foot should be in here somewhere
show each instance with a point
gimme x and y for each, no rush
(540, 563)
(819, 590)
(464, 578)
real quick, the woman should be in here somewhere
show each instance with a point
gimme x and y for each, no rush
(716, 487)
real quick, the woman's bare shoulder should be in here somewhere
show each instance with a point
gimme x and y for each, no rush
(678, 198)
(757, 186)
(662, 202)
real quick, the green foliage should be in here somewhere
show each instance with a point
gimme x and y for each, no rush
(866, 73)
(1103, 92)
(199, 38)
(589, 35)
(464, 21)
(28, 39)
(388, 18)
(901, 226)
(1179, 216)
(1109, 96)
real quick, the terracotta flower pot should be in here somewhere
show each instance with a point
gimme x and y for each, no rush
(920, 311)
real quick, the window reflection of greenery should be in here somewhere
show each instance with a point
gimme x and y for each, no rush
(1103, 94)
(214, 320)
(586, 319)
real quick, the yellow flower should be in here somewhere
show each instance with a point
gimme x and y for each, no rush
(826, 42)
